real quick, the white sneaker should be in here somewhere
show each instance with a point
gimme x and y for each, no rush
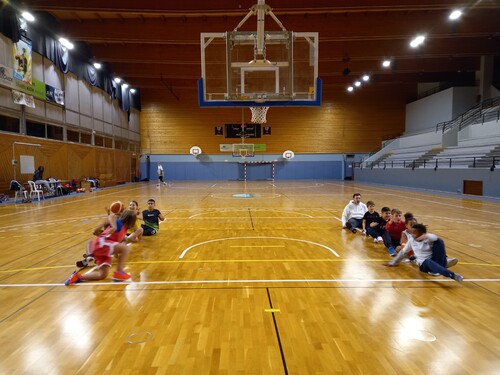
(380, 239)
(434, 273)
(375, 240)
(450, 262)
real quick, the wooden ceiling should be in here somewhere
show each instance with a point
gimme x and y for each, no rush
(149, 39)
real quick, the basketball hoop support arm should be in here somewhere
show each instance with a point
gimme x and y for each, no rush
(261, 9)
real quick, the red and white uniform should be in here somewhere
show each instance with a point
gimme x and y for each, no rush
(104, 245)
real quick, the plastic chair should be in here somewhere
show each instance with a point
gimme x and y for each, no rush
(19, 190)
(35, 190)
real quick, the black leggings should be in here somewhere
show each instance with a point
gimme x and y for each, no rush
(148, 231)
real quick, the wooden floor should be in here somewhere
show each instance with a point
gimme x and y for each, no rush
(253, 278)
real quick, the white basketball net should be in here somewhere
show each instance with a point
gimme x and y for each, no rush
(259, 114)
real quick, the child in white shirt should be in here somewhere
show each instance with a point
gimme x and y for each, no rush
(430, 253)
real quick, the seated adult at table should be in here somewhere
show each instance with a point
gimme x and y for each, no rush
(38, 179)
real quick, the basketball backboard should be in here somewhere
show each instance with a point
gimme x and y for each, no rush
(259, 68)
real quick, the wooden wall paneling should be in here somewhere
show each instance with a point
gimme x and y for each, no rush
(6, 167)
(104, 162)
(343, 124)
(122, 169)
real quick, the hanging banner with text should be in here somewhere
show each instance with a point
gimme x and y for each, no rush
(22, 60)
(37, 88)
(22, 98)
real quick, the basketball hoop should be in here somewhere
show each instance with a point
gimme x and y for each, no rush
(259, 114)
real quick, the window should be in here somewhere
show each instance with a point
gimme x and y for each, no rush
(86, 138)
(99, 140)
(73, 136)
(55, 132)
(9, 124)
(108, 142)
(35, 129)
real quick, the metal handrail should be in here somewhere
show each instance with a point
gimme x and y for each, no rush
(469, 116)
(446, 162)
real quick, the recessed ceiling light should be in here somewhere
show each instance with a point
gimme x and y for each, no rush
(124, 86)
(456, 14)
(97, 65)
(418, 40)
(357, 83)
(117, 79)
(386, 63)
(132, 91)
(366, 78)
(350, 88)
(28, 16)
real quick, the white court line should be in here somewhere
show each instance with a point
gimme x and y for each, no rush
(180, 282)
(257, 237)
(258, 217)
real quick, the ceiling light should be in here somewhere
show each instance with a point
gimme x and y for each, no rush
(132, 91)
(97, 65)
(366, 78)
(386, 63)
(28, 16)
(455, 15)
(117, 79)
(350, 88)
(124, 86)
(357, 83)
(66, 43)
(418, 40)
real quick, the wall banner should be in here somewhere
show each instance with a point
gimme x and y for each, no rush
(54, 95)
(22, 98)
(22, 60)
(37, 88)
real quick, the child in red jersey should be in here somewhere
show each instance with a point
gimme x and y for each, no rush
(394, 227)
(105, 245)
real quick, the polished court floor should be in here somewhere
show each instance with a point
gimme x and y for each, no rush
(249, 278)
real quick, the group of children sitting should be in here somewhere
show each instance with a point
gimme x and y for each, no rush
(112, 235)
(406, 240)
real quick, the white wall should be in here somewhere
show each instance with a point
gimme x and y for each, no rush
(425, 113)
(464, 98)
(480, 134)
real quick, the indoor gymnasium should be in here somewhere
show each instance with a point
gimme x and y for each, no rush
(249, 187)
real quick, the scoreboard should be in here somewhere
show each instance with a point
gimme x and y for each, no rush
(239, 130)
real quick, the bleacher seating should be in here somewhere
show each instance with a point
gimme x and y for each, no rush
(461, 156)
(404, 157)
